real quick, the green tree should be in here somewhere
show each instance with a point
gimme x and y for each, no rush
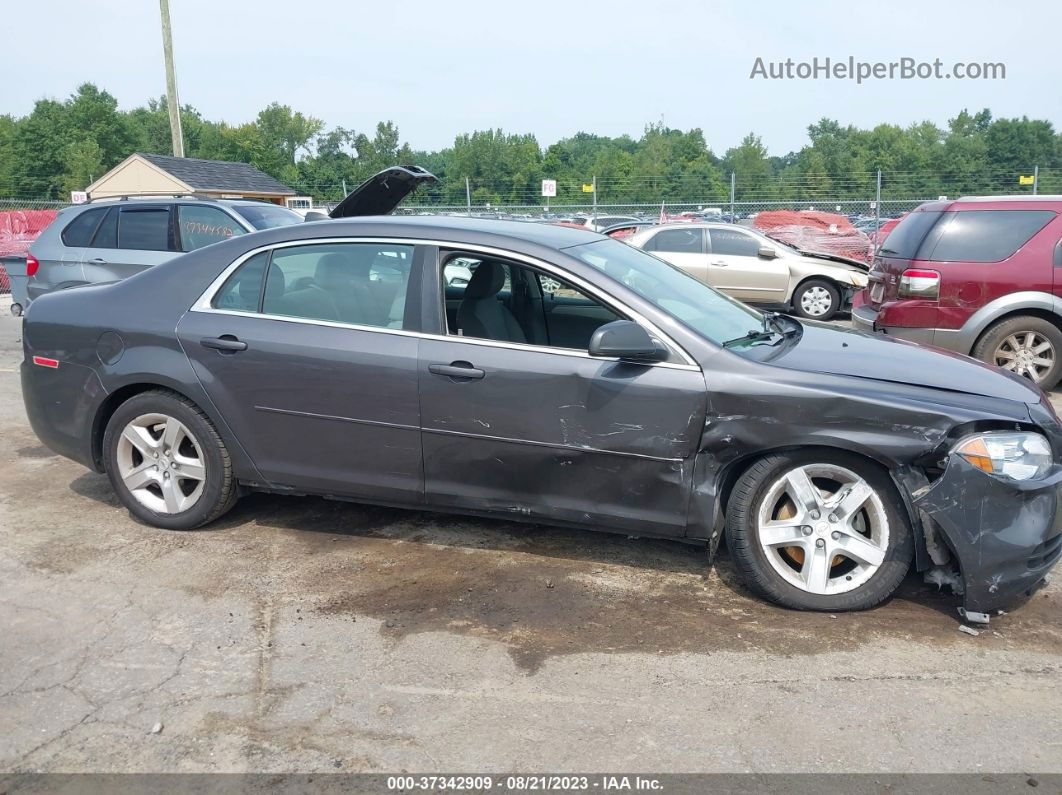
(750, 164)
(284, 131)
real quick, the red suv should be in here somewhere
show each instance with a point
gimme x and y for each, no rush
(977, 275)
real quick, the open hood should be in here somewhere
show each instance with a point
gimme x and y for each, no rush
(380, 194)
(835, 258)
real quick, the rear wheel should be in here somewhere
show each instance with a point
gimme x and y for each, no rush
(167, 463)
(1026, 345)
(817, 530)
(816, 299)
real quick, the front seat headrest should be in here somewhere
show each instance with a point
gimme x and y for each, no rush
(488, 279)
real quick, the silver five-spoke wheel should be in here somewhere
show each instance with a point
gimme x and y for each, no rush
(1026, 353)
(161, 463)
(816, 301)
(823, 528)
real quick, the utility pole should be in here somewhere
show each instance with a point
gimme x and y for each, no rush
(171, 82)
(1036, 178)
(468, 196)
(877, 207)
(733, 182)
(595, 202)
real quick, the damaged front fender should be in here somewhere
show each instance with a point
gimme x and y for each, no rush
(1005, 533)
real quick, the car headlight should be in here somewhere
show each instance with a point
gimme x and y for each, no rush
(1020, 456)
(860, 279)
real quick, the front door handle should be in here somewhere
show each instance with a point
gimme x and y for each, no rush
(720, 263)
(97, 261)
(226, 343)
(460, 370)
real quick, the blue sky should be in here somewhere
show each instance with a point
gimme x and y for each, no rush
(549, 68)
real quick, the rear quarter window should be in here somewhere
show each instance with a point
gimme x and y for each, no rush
(79, 232)
(905, 238)
(982, 235)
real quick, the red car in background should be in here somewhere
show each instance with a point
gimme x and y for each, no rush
(816, 232)
(978, 275)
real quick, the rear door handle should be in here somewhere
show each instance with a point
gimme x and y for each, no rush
(719, 263)
(462, 370)
(225, 343)
(97, 261)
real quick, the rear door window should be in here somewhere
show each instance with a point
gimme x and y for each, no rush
(358, 283)
(144, 229)
(982, 235)
(78, 233)
(201, 226)
(678, 241)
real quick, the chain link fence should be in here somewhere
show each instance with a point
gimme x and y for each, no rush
(853, 196)
(738, 210)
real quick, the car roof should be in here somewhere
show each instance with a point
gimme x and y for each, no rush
(703, 225)
(132, 199)
(550, 235)
(970, 203)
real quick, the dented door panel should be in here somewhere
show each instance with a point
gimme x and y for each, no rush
(555, 437)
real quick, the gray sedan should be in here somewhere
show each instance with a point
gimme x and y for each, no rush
(336, 359)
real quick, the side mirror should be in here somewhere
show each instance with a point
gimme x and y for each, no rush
(766, 252)
(626, 340)
(313, 215)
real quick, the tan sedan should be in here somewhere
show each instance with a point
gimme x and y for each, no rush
(754, 268)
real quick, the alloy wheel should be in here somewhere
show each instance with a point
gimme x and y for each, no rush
(823, 528)
(1026, 353)
(816, 301)
(161, 463)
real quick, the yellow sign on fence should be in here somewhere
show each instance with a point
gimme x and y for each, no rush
(1026, 180)
(588, 188)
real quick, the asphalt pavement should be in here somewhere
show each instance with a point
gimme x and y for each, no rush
(298, 634)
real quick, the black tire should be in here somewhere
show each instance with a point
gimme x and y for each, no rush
(990, 342)
(751, 560)
(830, 288)
(219, 485)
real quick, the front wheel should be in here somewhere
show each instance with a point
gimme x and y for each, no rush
(817, 530)
(817, 299)
(167, 463)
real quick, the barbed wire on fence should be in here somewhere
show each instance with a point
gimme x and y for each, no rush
(683, 188)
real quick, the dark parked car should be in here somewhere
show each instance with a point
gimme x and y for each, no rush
(981, 276)
(633, 398)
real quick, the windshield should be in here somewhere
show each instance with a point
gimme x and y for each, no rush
(267, 216)
(695, 304)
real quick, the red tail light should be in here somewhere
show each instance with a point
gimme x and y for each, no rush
(32, 265)
(919, 284)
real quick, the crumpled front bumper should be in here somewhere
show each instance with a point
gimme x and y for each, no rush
(1006, 534)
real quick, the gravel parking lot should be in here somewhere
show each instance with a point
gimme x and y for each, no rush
(299, 634)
